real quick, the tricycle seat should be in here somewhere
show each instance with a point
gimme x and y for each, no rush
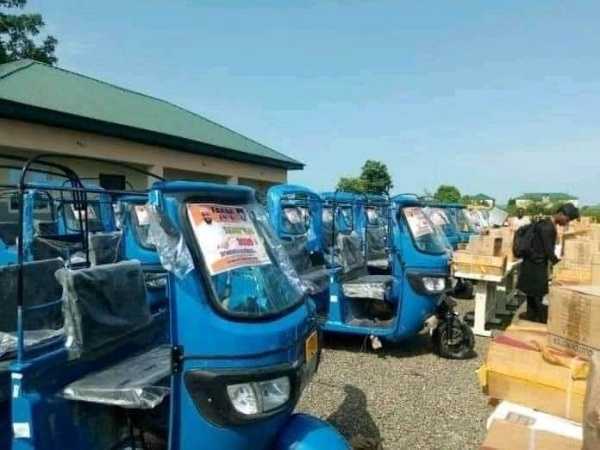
(42, 319)
(310, 267)
(138, 382)
(105, 247)
(375, 287)
(9, 232)
(356, 281)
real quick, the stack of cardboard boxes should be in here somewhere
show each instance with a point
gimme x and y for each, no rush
(485, 254)
(546, 367)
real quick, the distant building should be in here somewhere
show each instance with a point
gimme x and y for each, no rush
(545, 198)
(46, 109)
(480, 200)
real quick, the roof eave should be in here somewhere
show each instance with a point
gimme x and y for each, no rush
(34, 114)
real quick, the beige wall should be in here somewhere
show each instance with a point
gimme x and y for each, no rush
(19, 137)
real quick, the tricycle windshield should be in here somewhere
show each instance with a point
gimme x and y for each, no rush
(295, 219)
(248, 268)
(424, 235)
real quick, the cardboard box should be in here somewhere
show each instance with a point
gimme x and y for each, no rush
(520, 367)
(465, 262)
(574, 318)
(578, 250)
(485, 245)
(505, 435)
(567, 272)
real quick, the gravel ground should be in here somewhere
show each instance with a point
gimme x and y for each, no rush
(403, 395)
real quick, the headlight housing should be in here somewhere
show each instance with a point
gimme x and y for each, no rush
(428, 284)
(233, 397)
(435, 285)
(259, 397)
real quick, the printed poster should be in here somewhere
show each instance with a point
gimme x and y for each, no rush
(417, 221)
(227, 237)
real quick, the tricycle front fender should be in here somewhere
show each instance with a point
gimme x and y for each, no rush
(304, 432)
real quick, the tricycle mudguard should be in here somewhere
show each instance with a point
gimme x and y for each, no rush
(304, 432)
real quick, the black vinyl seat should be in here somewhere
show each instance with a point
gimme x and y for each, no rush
(377, 256)
(106, 306)
(9, 232)
(105, 247)
(42, 318)
(356, 281)
(310, 267)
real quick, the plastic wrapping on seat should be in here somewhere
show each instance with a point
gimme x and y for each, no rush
(8, 341)
(105, 247)
(139, 382)
(174, 254)
(46, 248)
(351, 256)
(9, 231)
(39, 288)
(371, 286)
(103, 304)
(376, 244)
(316, 277)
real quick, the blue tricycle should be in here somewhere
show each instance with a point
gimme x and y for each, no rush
(217, 358)
(390, 307)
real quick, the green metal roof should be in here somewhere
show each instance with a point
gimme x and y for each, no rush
(30, 90)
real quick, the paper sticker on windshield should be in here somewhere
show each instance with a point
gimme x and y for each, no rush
(227, 237)
(141, 214)
(417, 222)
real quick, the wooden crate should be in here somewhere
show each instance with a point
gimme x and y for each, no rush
(480, 264)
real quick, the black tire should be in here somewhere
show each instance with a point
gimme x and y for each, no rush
(462, 344)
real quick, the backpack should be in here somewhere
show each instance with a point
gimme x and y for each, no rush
(523, 240)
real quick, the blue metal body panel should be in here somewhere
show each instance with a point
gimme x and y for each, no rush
(304, 432)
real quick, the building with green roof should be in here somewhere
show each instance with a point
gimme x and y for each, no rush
(52, 110)
(548, 198)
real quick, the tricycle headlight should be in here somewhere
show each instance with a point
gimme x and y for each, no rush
(259, 397)
(274, 393)
(434, 284)
(243, 398)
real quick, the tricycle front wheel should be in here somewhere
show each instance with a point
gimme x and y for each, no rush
(453, 339)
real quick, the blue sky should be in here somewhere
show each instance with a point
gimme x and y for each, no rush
(494, 97)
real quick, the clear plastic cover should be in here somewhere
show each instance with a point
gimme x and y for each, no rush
(116, 386)
(95, 313)
(170, 245)
(311, 271)
(371, 286)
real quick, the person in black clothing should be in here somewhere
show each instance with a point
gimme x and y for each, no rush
(533, 276)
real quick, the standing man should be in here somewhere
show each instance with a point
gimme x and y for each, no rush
(533, 276)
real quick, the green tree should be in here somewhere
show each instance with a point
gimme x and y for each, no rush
(350, 184)
(447, 194)
(19, 36)
(376, 178)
